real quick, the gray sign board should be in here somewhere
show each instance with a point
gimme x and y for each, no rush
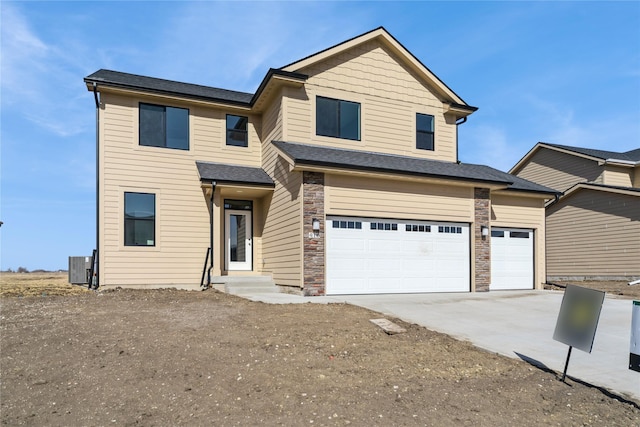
(578, 317)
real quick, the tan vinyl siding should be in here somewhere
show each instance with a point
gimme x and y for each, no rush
(559, 171)
(636, 176)
(515, 211)
(282, 240)
(617, 176)
(210, 143)
(372, 197)
(182, 214)
(594, 233)
(389, 94)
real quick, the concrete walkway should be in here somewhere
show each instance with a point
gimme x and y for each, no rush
(517, 324)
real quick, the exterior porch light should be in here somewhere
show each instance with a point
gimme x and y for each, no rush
(484, 230)
(315, 224)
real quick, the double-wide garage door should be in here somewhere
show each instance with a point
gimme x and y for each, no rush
(368, 256)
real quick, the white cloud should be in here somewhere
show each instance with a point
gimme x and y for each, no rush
(233, 44)
(39, 80)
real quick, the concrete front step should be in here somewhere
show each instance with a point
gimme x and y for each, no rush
(239, 285)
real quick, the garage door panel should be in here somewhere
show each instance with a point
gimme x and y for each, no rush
(399, 256)
(511, 258)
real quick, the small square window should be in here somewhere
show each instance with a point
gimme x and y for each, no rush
(343, 224)
(237, 134)
(374, 226)
(424, 132)
(358, 225)
(394, 227)
(336, 224)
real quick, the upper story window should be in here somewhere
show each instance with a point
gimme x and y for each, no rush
(336, 118)
(139, 219)
(237, 134)
(164, 126)
(424, 132)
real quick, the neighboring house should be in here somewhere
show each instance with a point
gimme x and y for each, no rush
(593, 229)
(340, 174)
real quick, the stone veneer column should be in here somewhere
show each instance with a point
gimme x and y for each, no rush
(482, 216)
(313, 247)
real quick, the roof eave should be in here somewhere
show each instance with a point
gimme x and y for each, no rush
(172, 94)
(302, 164)
(236, 183)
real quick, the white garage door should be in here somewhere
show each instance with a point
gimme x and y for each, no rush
(511, 258)
(368, 256)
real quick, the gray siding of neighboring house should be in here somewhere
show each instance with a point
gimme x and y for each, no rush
(594, 234)
(558, 170)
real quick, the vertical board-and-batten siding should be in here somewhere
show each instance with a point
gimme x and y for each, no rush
(182, 215)
(558, 170)
(594, 233)
(382, 198)
(390, 95)
(514, 211)
(281, 240)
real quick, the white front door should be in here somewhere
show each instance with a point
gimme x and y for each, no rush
(238, 240)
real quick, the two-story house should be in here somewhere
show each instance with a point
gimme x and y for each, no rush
(593, 228)
(340, 174)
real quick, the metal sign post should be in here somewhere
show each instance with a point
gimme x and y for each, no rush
(634, 352)
(578, 319)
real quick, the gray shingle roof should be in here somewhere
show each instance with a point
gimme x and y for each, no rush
(232, 174)
(632, 155)
(170, 87)
(613, 187)
(314, 155)
(134, 81)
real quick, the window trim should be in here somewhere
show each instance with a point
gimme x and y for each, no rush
(339, 102)
(245, 131)
(152, 220)
(431, 132)
(140, 144)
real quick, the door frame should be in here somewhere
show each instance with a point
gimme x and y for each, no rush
(247, 265)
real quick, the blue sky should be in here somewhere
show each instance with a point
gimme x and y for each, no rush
(560, 72)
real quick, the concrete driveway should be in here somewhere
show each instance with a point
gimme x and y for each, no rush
(518, 324)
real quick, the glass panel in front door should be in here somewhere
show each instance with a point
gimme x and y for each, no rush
(238, 237)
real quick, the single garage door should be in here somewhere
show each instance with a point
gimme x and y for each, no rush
(511, 258)
(370, 256)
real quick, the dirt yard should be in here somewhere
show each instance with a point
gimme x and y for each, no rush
(170, 357)
(612, 288)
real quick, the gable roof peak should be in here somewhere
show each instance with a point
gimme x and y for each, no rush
(385, 38)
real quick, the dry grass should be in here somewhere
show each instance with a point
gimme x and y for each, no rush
(37, 284)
